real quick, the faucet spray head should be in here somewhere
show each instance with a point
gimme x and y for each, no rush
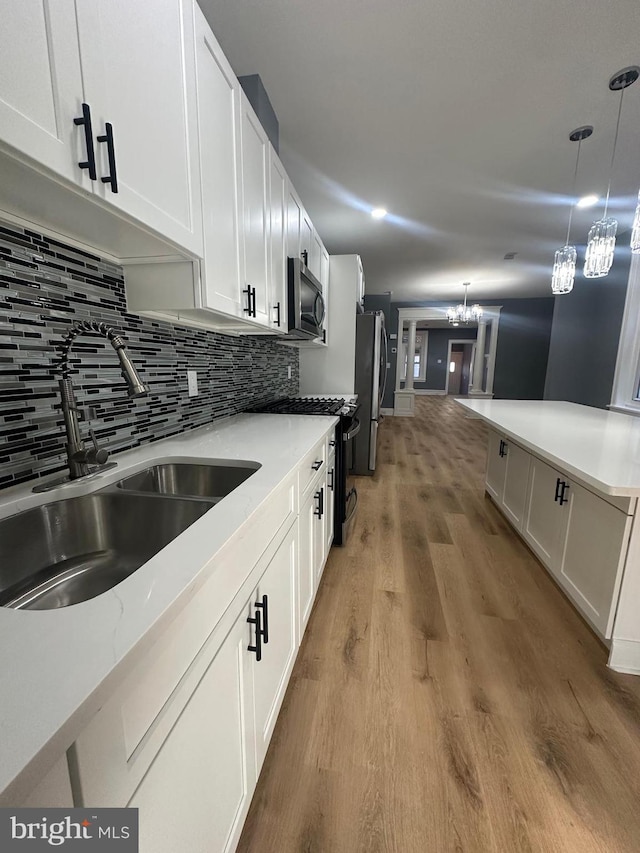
(135, 385)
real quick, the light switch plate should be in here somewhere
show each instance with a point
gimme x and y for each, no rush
(192, 383)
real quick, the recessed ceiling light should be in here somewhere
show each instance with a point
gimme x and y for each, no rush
(378, 213)
(588, 201)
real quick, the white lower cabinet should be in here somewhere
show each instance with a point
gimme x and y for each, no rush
(275, 598)
(508, 476)
(312, 551)
(197, 791)
(580, 536)
(594, 554)
(329, 502)
(546, 519)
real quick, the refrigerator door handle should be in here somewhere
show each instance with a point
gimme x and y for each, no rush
(383, 368)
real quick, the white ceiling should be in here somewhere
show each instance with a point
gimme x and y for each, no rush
(454, 116)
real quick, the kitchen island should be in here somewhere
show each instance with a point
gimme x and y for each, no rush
(97, 696)
(567, 477)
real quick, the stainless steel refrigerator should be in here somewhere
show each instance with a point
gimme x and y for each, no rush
(371, 378)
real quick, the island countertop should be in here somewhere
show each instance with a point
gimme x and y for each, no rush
(597, 447)
(58, 666)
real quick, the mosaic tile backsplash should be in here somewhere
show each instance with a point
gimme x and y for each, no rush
(44, 287)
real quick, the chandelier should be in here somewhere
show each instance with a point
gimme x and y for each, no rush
(564, 265)
(602, 236)
(462, 313)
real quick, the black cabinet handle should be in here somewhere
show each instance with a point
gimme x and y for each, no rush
(317, 465)
(90, 162)
(565, 488)
(330, 474)
(112, 177)
(257, 621)
(277, 310)
(264, 605)
(558, 489)
(254, 313)
(503, 448)
(247, 290)
(319, 510)
(332, 443)
(305, 257)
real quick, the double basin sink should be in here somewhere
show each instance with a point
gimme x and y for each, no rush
(71, 550)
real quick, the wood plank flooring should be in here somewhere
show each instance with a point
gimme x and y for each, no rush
(446, 697)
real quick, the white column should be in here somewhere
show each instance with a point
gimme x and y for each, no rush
(411, 349)
(478, 364)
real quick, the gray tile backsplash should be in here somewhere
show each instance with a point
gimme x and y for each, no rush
(45, 286)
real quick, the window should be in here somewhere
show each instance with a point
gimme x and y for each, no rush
(419, 357)
(626, 384)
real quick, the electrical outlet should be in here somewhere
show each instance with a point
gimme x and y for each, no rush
(192, 383)
(289, 371)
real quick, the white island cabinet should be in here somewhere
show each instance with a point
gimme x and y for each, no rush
(567, 478)
(179, 671)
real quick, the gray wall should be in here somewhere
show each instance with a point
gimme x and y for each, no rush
(586, 330)
(523, 348)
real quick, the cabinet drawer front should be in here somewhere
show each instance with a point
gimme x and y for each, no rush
(313, 463)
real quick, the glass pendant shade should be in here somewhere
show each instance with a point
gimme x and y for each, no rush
(635, 231)
(564, 270)
(600, 248)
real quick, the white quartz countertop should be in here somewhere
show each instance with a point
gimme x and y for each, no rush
(597, 447)
(56, 666)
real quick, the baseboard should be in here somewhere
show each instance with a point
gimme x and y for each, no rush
(425, 391)
(625, 656)
(387, 412)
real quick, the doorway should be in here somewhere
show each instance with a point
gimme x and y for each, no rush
(459, 367)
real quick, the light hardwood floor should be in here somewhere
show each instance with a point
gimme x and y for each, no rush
(446, 697)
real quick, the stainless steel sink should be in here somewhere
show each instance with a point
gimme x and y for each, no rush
(212, 481)
(72, 550)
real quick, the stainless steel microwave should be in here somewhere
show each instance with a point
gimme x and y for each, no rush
(305, 302)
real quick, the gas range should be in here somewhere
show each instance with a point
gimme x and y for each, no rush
(309, 405)
(345, 408)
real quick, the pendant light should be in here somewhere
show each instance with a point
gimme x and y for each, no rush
(564, 265)
(602, 236)
(462, 314)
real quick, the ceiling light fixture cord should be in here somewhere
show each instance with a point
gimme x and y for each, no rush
(613, 155)
(573, 193)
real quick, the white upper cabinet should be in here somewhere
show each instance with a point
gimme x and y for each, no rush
(218, 124)
(41, 86)
(306, 237)
(294, 222)
(255, 222)
(102, 94)
(277, 243)
(139, 80)
(315, 254)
